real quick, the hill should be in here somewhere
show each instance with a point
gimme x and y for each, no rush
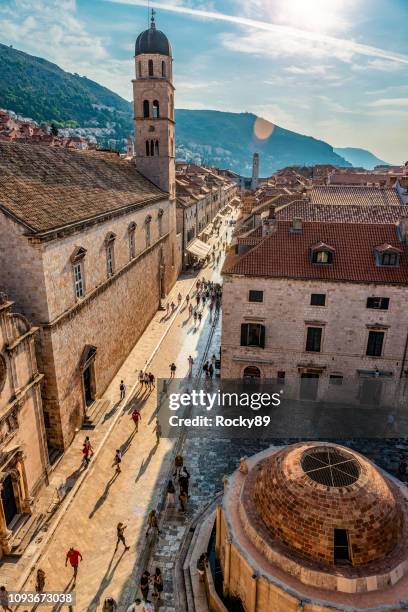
(36, 88)
(361, 158)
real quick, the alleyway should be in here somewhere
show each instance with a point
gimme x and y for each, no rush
(101, 498)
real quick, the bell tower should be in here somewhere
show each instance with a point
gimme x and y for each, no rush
(153, 96)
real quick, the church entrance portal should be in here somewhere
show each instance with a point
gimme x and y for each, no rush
(9, 500)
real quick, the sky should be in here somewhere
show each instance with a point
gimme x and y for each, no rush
(332, 69)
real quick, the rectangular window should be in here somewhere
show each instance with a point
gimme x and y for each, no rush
(380, 303)
(375, 343)
(390, 259)
(255, 296)
(253, 334)
(314, 339)
(341, 546)
(318, 299)
(78, 280)
(336, 379)
(322, 257)
(109, 260)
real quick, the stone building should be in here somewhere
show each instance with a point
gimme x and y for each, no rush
(89, 245)
(313, 527)
(23, 447)
(317, 303)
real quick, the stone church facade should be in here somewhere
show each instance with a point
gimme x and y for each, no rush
(23, 448)
(89, 246)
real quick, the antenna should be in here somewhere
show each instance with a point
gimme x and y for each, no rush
(148, 13)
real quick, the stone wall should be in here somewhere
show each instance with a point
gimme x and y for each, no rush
(286, 313)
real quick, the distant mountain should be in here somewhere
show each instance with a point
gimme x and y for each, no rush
(360, 158)
(36, 88)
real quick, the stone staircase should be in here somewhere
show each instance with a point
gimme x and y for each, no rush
(95, 413)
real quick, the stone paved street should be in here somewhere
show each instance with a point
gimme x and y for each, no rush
(88, 519)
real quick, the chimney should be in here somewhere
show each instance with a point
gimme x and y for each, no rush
(269, 224)
(297, 225)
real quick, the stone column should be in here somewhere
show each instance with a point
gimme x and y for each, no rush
(25, 499)
(5, 534)
(227, 566)
(218, 531)
(253, 593)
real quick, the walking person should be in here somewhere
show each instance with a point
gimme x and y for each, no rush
(73, 556)
(144, 584)
(210, 370)
(122, 389)
(158, 431)
(151, 380)
(205, 369)
(141, 379)
(170, 493)
(118, 460)
(40, 581)
(195, 318)
(198, 299)
(188, 299)
(179, 298)
(184, 480)
(178, 464)
(109, 605)
(213, 360)
(190, 310)
(85, 455)
(152, 522)
(200, 315)
(183, 499)
(173, 307)
(4, 599)
(190, 365)
(147, 380)
(120, 528)
(157, 584)
(136, 416)
(173, 369)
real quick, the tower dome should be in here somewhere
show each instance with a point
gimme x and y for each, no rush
(153, 41)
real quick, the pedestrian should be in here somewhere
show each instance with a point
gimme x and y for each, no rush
(203, 298)
(152, 522)
(141, 379)
(178, 464)
(200, 315)
(210, 370)
(179, 298)
(158, 431)
(173, 307)
(122, 389)
(198, 299)
(73, 556)
(167, 308)
(144, 584)
(40, 581)
(118, 460)
(213, 360)
(4, 599)
(195, 318)
(136, 606)
(157, 584)
(205, 369)
(190, 310)
(170, 493)
(187, 298)
(109, 605)
(120, 528)
(183, 498)
(151, 380)
(184, 480)
(136, 416)
(198, 286)
(173, 369)
(201, 566)
(85, 455)
(190, 365)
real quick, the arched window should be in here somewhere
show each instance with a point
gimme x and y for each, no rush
(152, 148)
(140, 69)
(150, 68)
(145, 108)
(164, 69)
(147, 230)
(156, 147)
(155, 109)
(171, 106)
(147, 148)
(160, 221)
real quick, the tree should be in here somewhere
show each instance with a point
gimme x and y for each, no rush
(54, 129)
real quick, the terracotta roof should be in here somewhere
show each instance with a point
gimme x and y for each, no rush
(286, 254)
(347, 194)
(345, 214)
(48, 188)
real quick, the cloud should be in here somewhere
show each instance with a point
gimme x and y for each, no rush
(390, 102)
(51, 29)
(377, 64)
(334, 106)
(295, 40)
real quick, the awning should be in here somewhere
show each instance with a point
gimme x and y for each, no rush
(198, 248)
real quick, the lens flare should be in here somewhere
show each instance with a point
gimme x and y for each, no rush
(262, 128)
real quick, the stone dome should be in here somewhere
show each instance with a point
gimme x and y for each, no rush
(153, 41)
(326, 503)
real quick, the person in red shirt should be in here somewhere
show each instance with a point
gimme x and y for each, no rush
(73, 557)
(136, 416)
